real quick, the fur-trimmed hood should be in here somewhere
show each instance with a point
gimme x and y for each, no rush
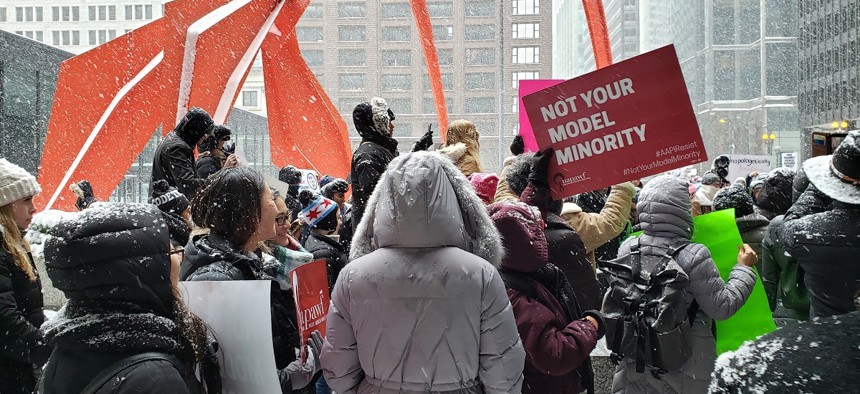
(423, 201)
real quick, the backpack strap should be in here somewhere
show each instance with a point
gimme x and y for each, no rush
(116, 368)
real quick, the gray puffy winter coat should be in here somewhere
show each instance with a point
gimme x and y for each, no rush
(666, 218)
(421, 306)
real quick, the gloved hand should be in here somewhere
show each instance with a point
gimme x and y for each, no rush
(425, 142)
(299, 375)
(518, 146)
(539, 174)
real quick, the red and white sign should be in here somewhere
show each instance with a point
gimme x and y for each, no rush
(310, 290)
(622, 122)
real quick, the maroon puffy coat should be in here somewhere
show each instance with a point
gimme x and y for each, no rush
(556, 345)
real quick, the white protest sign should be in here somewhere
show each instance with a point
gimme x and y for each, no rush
(238, 312)
(742, 165)
(789, 159)
(309, 180)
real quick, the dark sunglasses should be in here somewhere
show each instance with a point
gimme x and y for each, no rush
(282, 219)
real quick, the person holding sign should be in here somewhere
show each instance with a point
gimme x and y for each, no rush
(238, 208)
(421, 307)
(667, 224)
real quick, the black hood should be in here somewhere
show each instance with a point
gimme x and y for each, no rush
(362, 118)
(113, 252)
(194, 125)
(776, 195)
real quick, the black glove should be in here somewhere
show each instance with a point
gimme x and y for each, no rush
(229, 149)
(539, 174)
(425, 142)
(518, 146)
(84, 191)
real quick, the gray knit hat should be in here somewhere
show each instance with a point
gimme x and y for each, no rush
(16, 183)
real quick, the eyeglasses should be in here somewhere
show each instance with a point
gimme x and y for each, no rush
(282, 219)
(178, 250)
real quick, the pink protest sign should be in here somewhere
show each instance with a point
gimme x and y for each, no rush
(529, 86)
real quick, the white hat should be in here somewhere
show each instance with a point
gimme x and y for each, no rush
(15, 183)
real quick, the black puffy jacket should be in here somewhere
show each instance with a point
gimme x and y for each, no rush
(213, 258)
(826, 246)
(21, 343)
(567, 251)
(369, 160)
(208, 164)
(333, 252)
(70, 371)
(174, 162)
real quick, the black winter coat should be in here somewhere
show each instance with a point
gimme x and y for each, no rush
(821, 356)
(213, 258)
(70, 371)
(369, 161)
(567, 251)
(21, 314)
(826, 246)
(782, 277)
(174, 162)
(333, 252)
(207, 165)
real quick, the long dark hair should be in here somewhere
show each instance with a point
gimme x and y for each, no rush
(229, 204)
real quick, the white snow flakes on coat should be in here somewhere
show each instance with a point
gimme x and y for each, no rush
(415, 311)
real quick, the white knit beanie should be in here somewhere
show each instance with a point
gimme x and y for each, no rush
(16, 183)
(381, 119)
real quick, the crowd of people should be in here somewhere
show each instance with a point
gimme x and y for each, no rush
(443, 277)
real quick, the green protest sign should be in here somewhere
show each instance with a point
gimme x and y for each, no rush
(719, 232)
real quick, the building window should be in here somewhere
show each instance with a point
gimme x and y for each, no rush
(352, 33)
(66, 37)
(429, 105)
(351, 81)
(397, 58)
(309, 34)
(138, 12)
(400, 106)
(314, 11)
(351, 57)
(2, 14)
(396, 82)
(480, 105)
(443, 32)
(526, 7)
(396, 33)
(65, 14)
(345, 105)
(526, 30)
(526, 55)
(249, 99)
(480, 56)
(98, 37)
(396, 10)
(351, 10)
(102, 12)
(480, 81)
(440, 9)
(523, 75)
(447, 82)
(446, 57)
(480, 8)
(27, 14)
(480, 32)
(313, 57)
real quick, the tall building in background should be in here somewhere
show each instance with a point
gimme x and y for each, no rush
(654, 24)
(829, 88)
(76, 25)
(362, 49)
(570, 40)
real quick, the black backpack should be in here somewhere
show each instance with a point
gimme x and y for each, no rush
(645, 312)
